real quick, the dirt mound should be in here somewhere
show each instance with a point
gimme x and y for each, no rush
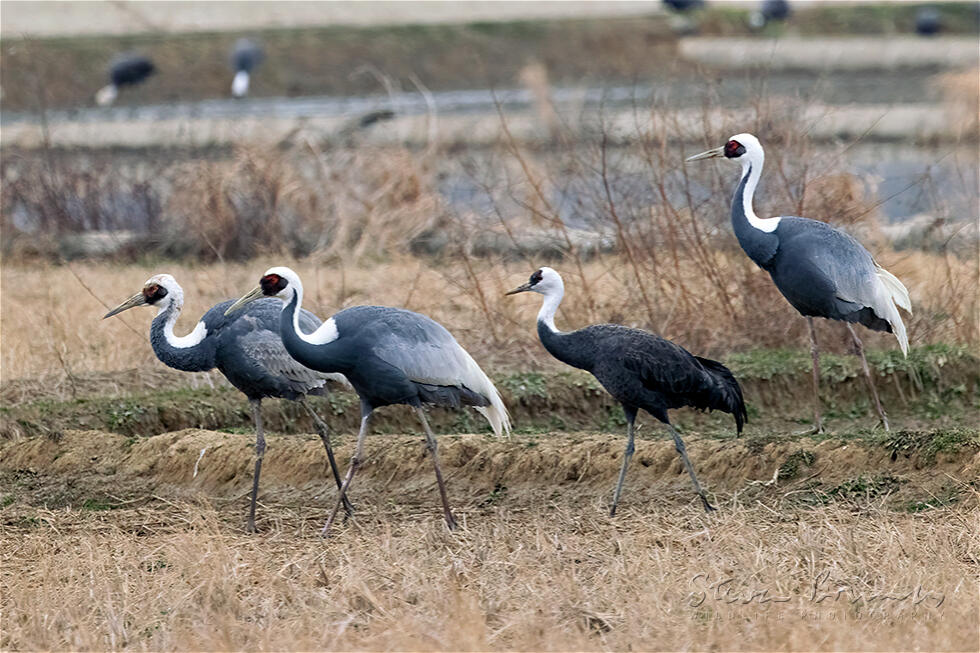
(907, 468)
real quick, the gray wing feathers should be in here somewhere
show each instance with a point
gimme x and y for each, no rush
(859, 279)
(266, 348)
(427, 353)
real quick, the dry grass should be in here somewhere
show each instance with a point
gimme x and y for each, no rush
(173, 576)
(52, 324)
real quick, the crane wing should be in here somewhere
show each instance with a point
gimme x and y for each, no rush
(859, 283)
(427, 353)
(265, 348)
(661, 364)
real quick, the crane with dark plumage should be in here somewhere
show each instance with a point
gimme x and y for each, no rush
(246, 55)
(769, 11)
(639, 369)
(125, 70)
(246, 348)
(820, 270)
(390, 356)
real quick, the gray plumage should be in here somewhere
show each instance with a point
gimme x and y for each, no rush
(390, 356)
(246, 55)
(245, 348)
(820, 270)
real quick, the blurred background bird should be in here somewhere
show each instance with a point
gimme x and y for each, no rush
(126, 70)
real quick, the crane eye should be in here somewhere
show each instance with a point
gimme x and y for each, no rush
(272, 284)
(734, 149)
(154, 292)
(537, 277)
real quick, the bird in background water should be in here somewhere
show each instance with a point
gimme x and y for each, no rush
(639, 369)
(390, 356)
(820, 270)
(125, 70)
(246, 348)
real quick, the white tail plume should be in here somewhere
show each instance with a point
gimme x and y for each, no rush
(896, 294)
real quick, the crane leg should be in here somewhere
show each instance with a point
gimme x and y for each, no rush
(259, 455)
(321, 428)
(679, 445)
(630, 448)
(867, 375)
(815, 354)
(355, 462)
(430, 441)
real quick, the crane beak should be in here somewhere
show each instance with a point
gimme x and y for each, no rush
(136, 300)
(522, 288)
(251, 296)
(710, 154)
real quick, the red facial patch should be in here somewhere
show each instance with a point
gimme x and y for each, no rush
(272, 284)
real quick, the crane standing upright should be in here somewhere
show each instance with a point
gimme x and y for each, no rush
(639, 369)
(246, 55)
(821, 271)
(246, 348)
(390, 356)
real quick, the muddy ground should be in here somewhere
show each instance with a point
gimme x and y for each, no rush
(96, 470)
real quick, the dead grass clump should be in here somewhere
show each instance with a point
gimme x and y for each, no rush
(961, 92)
(342, 204)
(51, 206)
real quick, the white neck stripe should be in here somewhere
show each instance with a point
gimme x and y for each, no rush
(548, 309)
(325, 333)
(768, 225)
(192, 339)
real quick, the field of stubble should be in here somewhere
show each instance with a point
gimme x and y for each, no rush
(111, 543)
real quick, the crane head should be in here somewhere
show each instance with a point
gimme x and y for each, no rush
(160, 290)
(544, 281)
(745, 148)
(279, 282)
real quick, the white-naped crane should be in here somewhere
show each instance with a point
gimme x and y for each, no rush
(125, 70)
(639, 369)
(820, 270)
(246, 55)
(246, 348)
(390, 356)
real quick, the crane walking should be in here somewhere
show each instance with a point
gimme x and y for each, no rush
(820, 270)
(390, 356)
(125, 70)
(639, 369)
(245, 348)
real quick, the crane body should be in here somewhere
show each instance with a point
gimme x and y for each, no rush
(246, 55)
(125, 70)
(390, 356)
(820, 270)
(245, 348)
(639, 369)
